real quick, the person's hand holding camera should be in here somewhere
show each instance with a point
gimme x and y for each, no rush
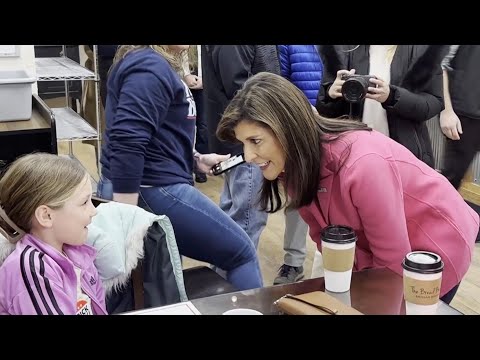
(379, 93)
(335, 91)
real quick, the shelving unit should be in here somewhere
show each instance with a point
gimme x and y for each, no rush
(70, 126)
(38, 134)
(61, 68)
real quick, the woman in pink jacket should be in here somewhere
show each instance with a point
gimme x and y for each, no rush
(342, 172)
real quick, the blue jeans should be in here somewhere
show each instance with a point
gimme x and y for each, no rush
(239, 199)
(202, 230)
(294, 239)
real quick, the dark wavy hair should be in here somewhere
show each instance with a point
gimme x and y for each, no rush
(273, 102)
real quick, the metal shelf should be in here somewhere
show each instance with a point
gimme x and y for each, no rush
(71, 126)
(61, 68)
(92, 179)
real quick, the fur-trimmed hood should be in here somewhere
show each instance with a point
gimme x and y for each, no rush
(335, 57)
(6, 248)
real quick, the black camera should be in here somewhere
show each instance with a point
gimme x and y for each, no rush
(355, 87)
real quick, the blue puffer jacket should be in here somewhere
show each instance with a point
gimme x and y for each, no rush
(302, 65)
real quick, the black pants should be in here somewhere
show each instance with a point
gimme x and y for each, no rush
(448, 297)
(104, 64)
(201, 142)
(460, 153)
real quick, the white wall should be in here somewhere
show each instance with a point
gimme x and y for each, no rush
(26, 60)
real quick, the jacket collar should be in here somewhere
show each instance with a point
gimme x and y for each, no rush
(76, 255)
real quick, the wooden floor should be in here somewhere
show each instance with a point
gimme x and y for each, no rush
(270, 249)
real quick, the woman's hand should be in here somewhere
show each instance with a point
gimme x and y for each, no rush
(379, 93)
(193, 81)
(335, 91)
(450, 124)
(205, 162)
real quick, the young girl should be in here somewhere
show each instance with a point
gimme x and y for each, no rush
(45, 208)
(341, 172)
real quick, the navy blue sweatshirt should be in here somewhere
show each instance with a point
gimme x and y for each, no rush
(150, 124)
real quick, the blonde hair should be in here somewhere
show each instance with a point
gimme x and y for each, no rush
(193, 58)
(38, 179)
(174, 59)
(391, 53)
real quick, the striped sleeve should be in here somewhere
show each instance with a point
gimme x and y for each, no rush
(44, 293)
(448, 58)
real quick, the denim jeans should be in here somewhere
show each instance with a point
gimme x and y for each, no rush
(294, 239)
(202, 230)
(239, 199)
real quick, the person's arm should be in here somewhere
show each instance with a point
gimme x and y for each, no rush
(446, 92)
(205, 162)
(43, 291)
(233, 64)
(284, 58)
(452, 51)
(199, 57)
(420, 105)
(326, 105)
(192, 81)
(330, 102)
(449, 122)
(142, 107)
(99, 290)
(24, 304)
(378, 197)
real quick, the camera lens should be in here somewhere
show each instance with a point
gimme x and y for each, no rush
(355, 89)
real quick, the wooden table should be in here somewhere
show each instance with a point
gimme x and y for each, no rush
(373, 292)
(37, 122)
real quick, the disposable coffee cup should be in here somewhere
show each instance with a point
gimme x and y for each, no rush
(338, 252)
(242, 312)
(422, 280)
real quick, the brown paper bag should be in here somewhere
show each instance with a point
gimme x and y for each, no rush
(314, 303)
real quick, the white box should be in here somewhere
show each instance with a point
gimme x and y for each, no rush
(15, 95)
